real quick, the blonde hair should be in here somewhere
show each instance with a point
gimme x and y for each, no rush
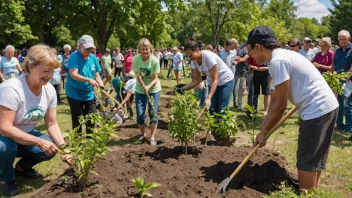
(326, 40)
(145, 42)
(41, 54)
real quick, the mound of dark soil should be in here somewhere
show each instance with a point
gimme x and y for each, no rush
(194, 175)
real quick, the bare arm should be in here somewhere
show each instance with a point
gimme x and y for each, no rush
(196, 80)
(154, 81)
(53, 127)
(1, 76)
(128, 96)
(19, 68)
(98, 79)
(214, 76)
(277, 107)
(10, 131)
(76, 76)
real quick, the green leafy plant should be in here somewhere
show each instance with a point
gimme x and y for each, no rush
(183, 123)
(88, 148)
(253, 117)
(143, 186)
(334, 80)
(223, 123)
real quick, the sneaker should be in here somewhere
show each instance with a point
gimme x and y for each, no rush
(153, 143)
(140, 137)
(32, 174)
(9, 189)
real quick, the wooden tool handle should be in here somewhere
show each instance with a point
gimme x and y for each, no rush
(112, 98)
(201, 112)
(283, 119)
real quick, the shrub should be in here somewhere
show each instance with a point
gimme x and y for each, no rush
(333, 80)
(87, 149)
(224, 123)
(183, 119)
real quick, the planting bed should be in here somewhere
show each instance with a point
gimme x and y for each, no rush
(193, 175)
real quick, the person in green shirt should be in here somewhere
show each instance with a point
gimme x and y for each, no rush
(146, 67)
(106, 63)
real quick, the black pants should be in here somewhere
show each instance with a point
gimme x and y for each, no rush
(165, 63)
(79, 108)
(161, 63)
(118, 71)
(58, 95)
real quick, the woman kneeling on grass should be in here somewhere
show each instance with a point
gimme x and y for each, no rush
(220, 77)
(146, 67)
(23, 103)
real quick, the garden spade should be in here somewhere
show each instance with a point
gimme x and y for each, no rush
(223, 185)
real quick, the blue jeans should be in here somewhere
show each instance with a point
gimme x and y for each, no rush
(221, 98)
(31, 155)
(141, 105)
(345, 108)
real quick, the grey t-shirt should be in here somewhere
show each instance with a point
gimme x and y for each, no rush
(242, 68)
(209, 59)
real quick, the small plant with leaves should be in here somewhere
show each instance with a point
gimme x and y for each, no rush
(252, 114)
(224, 123)
(88, 148)
(143, 187)
(334, 80)
(183, 119)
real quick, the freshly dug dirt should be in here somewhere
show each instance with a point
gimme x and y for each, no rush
(194, 175)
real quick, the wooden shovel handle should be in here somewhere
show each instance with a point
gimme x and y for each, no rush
(283, 119)
(112, 98)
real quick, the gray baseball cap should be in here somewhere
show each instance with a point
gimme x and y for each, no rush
(87, 41)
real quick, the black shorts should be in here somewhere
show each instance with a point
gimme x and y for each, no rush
(261, 81)
(314, 141)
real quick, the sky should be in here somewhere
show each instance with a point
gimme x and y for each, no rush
(313, 8)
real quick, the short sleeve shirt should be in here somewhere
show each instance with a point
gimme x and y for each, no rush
(177, 58)
(146, 69)
(107, 61)
(308, 90)
(82, 91)
(9, 69)
(242, 68)
(131, 85)
(309, 54)
(56, 78)
(128, 63)
(209, 60)
(30, 109)
(343, 59)
(117, 59)
(325, 59)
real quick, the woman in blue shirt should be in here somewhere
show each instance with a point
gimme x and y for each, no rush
(83, 76)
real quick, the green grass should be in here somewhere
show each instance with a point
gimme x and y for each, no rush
(336, 181)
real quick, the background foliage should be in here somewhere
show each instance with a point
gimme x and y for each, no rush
(167, 23)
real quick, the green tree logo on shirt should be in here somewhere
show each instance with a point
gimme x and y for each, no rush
(145, 72)
(33, 115)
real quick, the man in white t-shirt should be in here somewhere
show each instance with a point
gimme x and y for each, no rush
(296, 79)
(306, 51)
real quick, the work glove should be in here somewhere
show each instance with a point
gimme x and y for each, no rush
(179, 90)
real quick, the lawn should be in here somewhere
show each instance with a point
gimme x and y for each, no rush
(336, 181)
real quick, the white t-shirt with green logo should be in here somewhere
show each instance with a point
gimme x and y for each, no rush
(30, 109)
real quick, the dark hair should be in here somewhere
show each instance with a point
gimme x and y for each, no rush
(228, 43)
(192, 44)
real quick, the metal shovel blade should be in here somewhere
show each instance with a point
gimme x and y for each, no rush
(223, 185)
